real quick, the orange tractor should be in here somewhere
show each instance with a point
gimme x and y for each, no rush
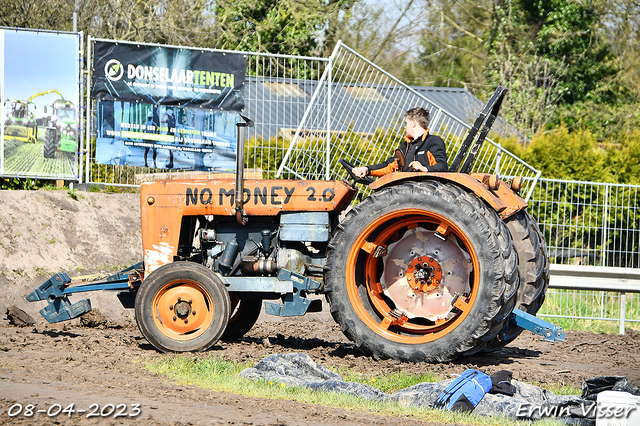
(431, 266)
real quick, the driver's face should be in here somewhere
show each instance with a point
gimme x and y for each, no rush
(409, 127)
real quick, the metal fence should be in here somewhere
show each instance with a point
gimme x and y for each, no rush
(594, 293)
(591, 225)
(621, 307)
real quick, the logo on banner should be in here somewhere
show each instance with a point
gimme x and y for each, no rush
(212, 80)
(114, 70)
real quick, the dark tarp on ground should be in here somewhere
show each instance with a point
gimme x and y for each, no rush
(529, 402)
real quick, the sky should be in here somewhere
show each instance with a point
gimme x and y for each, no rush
(37, 62)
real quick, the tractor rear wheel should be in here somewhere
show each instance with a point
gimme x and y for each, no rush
(419, 272)
(50, 146)
(533, 266)
(182, 307)
(244, 314)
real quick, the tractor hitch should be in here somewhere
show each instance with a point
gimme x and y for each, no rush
(549, 332)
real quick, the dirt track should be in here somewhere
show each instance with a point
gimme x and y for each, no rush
(84, 365)
(102, 363)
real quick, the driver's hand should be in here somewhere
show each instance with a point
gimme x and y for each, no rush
(417, 166)
(359, 171)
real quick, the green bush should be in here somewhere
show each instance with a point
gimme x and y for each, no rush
(578, 155)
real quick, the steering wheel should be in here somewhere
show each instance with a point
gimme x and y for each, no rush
(361, 180)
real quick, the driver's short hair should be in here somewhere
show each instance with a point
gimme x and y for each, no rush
(420, 115)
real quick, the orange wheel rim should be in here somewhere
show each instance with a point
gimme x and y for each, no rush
(183, 310)
(362, 262)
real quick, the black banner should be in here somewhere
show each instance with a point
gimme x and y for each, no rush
(168, 76)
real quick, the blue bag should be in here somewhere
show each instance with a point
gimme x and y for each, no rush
(465, 392)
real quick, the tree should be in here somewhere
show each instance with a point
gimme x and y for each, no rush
(567, 34)
(278, 26)
(274, 26)
(453, 47)
(382, 31)
(44, 14)
(611, 110)
(547, 53)
(177, 22)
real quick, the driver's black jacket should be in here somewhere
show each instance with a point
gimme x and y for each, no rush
(427, 149)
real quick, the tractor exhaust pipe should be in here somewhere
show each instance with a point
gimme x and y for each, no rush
(241, 217)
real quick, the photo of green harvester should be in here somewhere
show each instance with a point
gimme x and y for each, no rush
(39, 109)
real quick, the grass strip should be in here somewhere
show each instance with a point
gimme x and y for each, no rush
(223, 376)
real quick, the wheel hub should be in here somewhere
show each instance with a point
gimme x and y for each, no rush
(182, 309)
(423, 273)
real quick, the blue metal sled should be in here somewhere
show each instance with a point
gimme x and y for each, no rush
(56, 289)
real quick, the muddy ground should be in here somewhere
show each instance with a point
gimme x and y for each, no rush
(100, 359)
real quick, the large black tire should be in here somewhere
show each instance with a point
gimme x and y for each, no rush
(50, 144)
(369, 317)
(182, 307)
(533, 266)
(244, 314)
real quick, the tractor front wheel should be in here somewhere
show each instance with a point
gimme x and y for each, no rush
(182, 307)
(420, 272)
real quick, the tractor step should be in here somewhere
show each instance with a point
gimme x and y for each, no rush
(295, 303)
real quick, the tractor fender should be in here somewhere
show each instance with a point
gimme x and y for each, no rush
(503, 199)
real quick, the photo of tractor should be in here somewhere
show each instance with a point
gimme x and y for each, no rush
(59, 120)
(20, 123)
(40, 134)
(39, 91)
(61, 132)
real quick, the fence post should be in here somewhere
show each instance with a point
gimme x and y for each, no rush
(605, 220)
(623, 311)
(87, 131)
(82, 126)
(329, 84)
